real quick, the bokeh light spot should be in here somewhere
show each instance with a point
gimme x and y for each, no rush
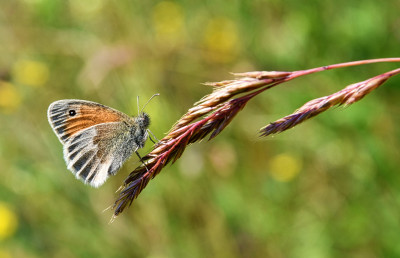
(221, 39)
(284, 167)
(31, 73)
(168, 21)
(10, 98)
(8, 222)
(5, 254)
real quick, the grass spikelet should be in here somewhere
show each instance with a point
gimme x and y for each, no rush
(215, 111)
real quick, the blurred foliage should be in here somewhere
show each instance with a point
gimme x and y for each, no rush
(328, 188)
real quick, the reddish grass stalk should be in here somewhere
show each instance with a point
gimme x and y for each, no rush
(215, 111)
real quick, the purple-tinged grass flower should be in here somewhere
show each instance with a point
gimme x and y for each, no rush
(210, 115)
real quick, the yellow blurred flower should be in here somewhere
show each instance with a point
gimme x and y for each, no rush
(5, 254)
(221, 39)
(10, 98)
(168, 21)
(8, 222)
(32, 73)
(284, 167)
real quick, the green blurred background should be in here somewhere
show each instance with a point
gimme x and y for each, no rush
(327, 188)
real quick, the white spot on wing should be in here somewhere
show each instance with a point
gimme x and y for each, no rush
(101, 175)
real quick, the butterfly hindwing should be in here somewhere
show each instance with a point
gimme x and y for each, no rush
(99, 151)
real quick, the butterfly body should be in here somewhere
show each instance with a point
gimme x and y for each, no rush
(96, 139)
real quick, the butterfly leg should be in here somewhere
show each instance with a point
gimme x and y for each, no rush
(151, 139)
(141, 160)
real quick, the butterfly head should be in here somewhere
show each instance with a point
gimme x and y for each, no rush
(143, 120)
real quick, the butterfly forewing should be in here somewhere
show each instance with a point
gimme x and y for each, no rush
(68, 117)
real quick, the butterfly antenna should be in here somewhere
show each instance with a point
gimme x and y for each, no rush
(138, 109)
(157, 94)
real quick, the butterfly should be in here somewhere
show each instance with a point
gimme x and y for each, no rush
(97, 140)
